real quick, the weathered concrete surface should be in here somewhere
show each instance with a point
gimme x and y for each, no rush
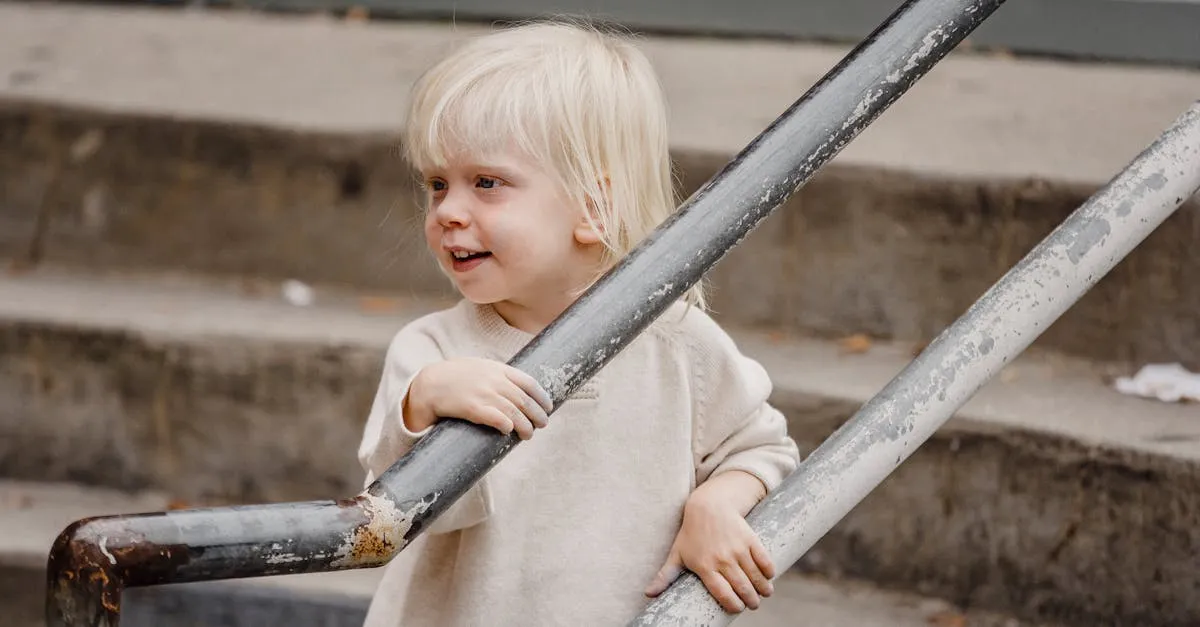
(340, 599)
(207, 197)
(181, 402)
(240, 146)
(243, 145)
(971, 116)
(892, 254)
(901, 257)
(1049, 495)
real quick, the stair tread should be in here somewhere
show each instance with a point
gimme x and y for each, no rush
(973, 115)
(1037, 392)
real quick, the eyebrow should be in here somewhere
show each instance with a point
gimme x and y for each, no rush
(501, 171)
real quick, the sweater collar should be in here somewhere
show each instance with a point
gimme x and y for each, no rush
(498, 335)
(501, 341)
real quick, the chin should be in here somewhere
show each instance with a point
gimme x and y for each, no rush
(482, 301)
(480, 297)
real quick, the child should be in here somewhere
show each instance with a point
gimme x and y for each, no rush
(543, 151)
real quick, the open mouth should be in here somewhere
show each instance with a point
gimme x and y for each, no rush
(462, 255)
(465, 260)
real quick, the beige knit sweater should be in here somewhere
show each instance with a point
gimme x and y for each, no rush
(572, 525)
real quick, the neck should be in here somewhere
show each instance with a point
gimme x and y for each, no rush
(535, 312)
(532, 318)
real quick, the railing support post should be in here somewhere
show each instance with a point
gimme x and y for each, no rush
(1001, 324)
(395, 509)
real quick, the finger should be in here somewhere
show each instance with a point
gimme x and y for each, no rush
(762, 558)
(741, 585)
(490, 416)
(535, 413)
(528, 407)
(531, 387)
(720, 589)
(511, 400)
(521, 424)
(666, 576)
(761, 582)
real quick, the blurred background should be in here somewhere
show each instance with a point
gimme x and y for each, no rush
(208, 238)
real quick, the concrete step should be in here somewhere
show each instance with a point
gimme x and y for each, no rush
(237, 144)
(33, 512)
(1049, 496)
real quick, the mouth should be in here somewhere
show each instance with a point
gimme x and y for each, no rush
(466, 255)
(464, 260)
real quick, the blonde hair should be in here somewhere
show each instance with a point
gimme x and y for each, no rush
(582, 102)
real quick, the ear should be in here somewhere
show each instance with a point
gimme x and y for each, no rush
(588, 232)
(590, 229)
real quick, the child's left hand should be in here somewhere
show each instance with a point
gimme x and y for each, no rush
(717, 544)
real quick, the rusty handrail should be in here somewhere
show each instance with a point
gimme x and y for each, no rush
(93, 560)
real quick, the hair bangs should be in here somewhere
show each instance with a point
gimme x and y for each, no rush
(493, 111)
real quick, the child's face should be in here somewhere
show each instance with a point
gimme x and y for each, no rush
(504, 231)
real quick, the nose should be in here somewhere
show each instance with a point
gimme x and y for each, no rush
(452, 210)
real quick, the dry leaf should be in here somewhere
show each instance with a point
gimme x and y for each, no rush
(378, 304)
(855, 344)
(175, 504)
(948, 619)
(357, 14)
(250, 288)
(20, 500)
(18, 267)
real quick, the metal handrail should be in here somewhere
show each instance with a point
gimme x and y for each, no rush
(1001, 324)
(94, 560)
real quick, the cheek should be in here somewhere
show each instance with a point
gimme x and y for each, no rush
(501, 227)
(433, 231)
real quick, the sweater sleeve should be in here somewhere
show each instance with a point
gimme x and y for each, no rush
(386, 438)
(735, 427)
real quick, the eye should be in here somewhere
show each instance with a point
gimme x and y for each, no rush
(435, 187)
(487, 182)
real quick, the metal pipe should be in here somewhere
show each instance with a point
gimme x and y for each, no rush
(718, 216)
(85, 578)
(95, 558)
(1001, 324)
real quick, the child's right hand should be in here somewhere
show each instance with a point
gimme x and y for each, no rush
(481, 391)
